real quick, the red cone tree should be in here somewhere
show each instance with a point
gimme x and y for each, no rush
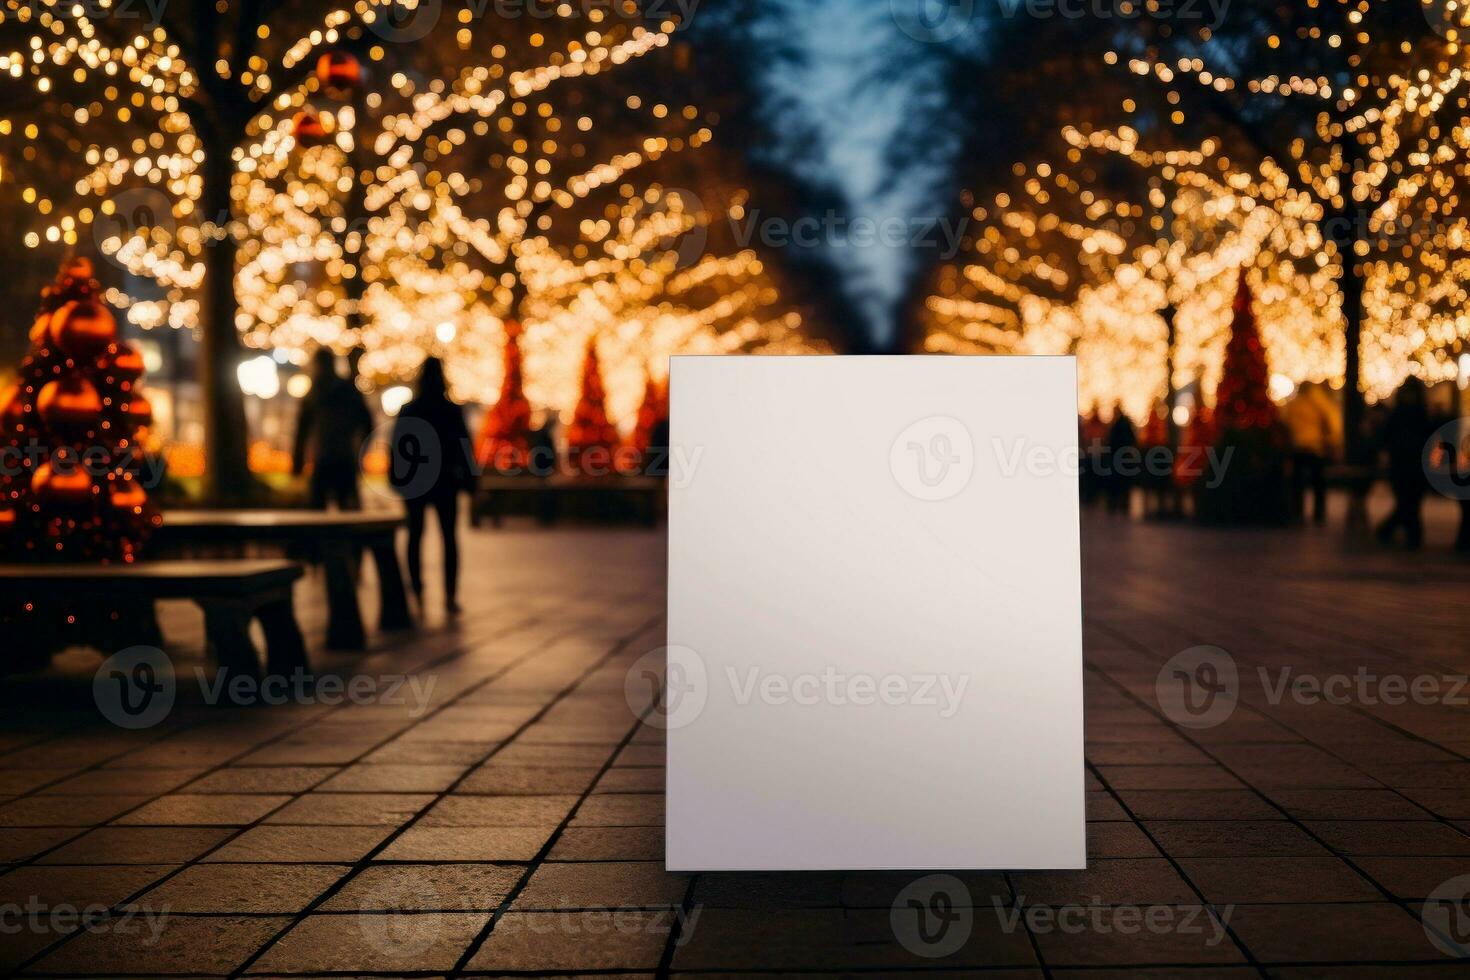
(592, 439)
(650, 413)
(505, 439)
(70, 489)
(1242, 401)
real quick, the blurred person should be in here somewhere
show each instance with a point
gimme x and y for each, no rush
(1123, 461)
(1315, 425)
(1092, 434)
(429, 467)
(1153, 442)
(541, 458)
(333, 424)
(1405, 432)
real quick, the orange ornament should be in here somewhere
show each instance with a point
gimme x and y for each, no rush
(140, 413)
(72, 401)
(338, 70)
(40, 329)
(308, 129)
(83, 328)
(70, 486)
(7, 520)
(127, 494)
(128, 363)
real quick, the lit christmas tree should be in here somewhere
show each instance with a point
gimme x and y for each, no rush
(1250, 442)
(71, 423)
(592, 439)
(1242, 400)
(504, 443)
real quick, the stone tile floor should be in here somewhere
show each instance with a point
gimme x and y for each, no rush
(503, 816)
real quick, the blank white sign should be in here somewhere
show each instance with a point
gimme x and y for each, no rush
(875, 651)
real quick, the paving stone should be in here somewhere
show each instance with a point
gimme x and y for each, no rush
(203, 810)
(1225, 838)
(575, 941)
(426, 887)
(1122, 881)
(616, 884)
(254, 888)
(1277, 879)
(331, 809)
(262, 779)
(185, 945)
(609, 844)
(392, 778)
(1332, 933)
(499, 811)
(498, 779)
(390, 942)
(296, 844)
(425, 843)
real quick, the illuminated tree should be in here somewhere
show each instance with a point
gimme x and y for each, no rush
(70, 428)
(504, 442)
(309, 175)
(591, 438)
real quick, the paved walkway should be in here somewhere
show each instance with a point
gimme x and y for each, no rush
(503, 816)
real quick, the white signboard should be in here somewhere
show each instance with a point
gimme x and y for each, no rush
(875, 650)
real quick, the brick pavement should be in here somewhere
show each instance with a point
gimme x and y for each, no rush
(510, 822)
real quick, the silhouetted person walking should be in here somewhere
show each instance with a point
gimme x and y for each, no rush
(1124, 460)
(1405, 433)
(333, 423)
(429, 466)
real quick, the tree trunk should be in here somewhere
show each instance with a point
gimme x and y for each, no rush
(226, 476)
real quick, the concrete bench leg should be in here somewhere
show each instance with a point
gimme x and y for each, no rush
(285, 649)
(227, 624)
(393, 611)
(344, 616)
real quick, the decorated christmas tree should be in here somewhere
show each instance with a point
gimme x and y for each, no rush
(592, 439)
(1241, 401)
(70, 427)
(505, 438)
(1249, 442)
